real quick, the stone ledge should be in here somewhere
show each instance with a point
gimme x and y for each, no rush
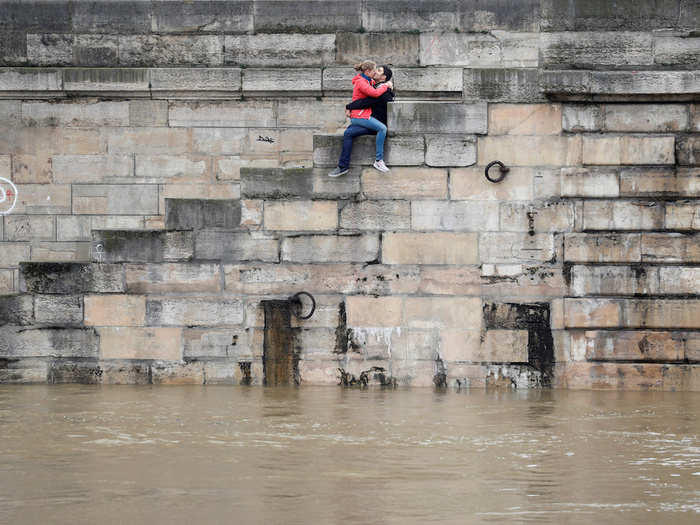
(588, 85)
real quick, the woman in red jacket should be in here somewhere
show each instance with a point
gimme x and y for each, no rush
(363, 86)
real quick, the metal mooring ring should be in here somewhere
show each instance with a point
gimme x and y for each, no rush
(502, 168)
(296, 298)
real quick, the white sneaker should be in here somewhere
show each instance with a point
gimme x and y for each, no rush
(379, 165)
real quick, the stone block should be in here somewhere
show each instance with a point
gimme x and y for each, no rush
(681, 216)
(525, 119)
(688, 150)
(111, 17)
(676, 51)
(502, 85)
(661, 313)
(450, 150)
(614, 280)
(287, 82)
(405, 183)
(115, 199)
(670, 247)
(471, 184)
(170, 50)
(430, 81)
(301, 215)
(544, 217)
(646, 117)
(628, 150)
(236, 114)
(678, 280)
(327, 115)
(492, 49)
(148, 112)
(7, 281)
(13, 47)
(401, 49)
(590, 182)
(123, 342)
(97, 80)
(16, 310)
(519, 150)
(41, 199)
(194, 311)
(633, 345)
(226, 141)
(90, 168)
(430, 248)
(115, 310)
(194, 82)
(443, 312)
(76, 114)
(202, 17)
(407, 16)
(149, 141)
(513, 248)
(592, 313)
(13, 253)
(31, 79)
(79, 227)
(276, 183)
(216, 343)
(437, 117)
(376, 215)
(316, 16)
(18, 341)
(583, 247)
(659, 182)
(188, 214)
(71, 278)
(583, 117)
(142, 246)
(286, 50)
(5, 166)
(622, 215)
(454, 215)
(50, 49)
(380, 312)
(165, 168)
(58, 310)
(30, 228)
(592, 50)
(32, 169)
(173, 278)
(598, 15)
(458, 346)
(10, 111)
(169, 373)
(503, 346)
(97, 50)
(269, 279)
(694, 117)
(330, 248)
(229, 247)
(398, 151)
(22, 371)
(643, 82)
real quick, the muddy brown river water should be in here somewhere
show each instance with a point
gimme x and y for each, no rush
(127, 454)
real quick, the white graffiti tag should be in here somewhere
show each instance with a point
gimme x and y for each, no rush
(8, 196)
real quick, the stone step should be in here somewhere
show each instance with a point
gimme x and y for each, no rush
(197, 214)
(646, 247)
(399, 150)
(114, 246)
(306, 183)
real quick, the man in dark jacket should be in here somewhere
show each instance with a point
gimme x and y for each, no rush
(379, 111)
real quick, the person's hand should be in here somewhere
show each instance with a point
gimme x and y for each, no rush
(347, 113)
(390, 84)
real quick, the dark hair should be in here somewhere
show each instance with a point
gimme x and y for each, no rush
(387, 72)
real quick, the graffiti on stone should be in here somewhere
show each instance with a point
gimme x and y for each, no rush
(8, 196)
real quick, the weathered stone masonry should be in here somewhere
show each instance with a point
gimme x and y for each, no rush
(170, 160)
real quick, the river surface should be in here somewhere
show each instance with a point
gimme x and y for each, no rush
(216, 454)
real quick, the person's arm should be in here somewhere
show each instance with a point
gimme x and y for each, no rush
(362, 103)
(369, 91)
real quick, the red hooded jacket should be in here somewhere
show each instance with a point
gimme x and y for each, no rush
(362, 88)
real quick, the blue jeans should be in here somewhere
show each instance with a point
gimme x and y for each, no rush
(373, 124)
(350, 133)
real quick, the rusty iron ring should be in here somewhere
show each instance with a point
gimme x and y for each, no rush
(296, 299)
(502, 167)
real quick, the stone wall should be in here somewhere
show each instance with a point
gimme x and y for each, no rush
(170, 159)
